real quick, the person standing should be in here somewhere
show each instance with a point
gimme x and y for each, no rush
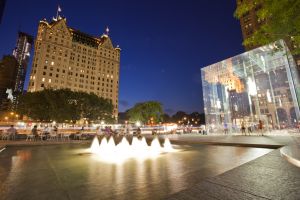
(243, 128)
(250, 129)
(12, 132)
(34, 131)
(260, 127)
(225, 128)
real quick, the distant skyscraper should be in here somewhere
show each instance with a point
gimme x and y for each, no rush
(8, 73)
(67, 58)
(250, 23)
(22, 55)
(2, 6)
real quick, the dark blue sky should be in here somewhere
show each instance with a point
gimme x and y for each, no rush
(164, 42)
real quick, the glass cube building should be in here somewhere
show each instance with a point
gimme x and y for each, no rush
(261, 84)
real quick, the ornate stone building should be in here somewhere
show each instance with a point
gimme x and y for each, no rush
(68, 58)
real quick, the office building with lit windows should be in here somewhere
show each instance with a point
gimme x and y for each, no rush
(261, 84)
(250, 23)
(22, 55)
(68, 58)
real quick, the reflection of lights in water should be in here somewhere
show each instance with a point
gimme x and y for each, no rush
(110, 152)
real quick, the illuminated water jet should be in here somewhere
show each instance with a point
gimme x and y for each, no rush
(110, 152)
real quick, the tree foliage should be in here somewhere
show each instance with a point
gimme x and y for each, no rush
(279, 20)
(146, 112)
(64, 105)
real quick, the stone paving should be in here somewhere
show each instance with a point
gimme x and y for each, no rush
(267, 177)
(233, 140)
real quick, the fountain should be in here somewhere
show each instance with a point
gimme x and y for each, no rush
(139, 149)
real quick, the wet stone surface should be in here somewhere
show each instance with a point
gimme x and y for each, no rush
(268, 177)
(64, 172)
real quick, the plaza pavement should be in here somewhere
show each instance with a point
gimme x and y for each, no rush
(268, 177)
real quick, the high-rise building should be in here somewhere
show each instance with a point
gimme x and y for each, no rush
(2, 6)
(8, 73)
(68, 58)
(250, 23)
(22, 55)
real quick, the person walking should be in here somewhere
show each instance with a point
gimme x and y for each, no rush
(12, 132)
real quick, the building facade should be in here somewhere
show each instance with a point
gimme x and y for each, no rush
(8, 73)
(261, 84)
(22, 55)
(67, 58)
(250, 23)
(2, 6)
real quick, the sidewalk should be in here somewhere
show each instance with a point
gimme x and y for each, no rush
(267, 177)
(233, 140)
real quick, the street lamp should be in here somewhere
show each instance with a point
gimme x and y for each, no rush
(138, 123)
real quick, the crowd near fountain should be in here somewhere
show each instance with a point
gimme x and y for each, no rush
(107, 150)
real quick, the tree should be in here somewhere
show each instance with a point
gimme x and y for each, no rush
(179, 116)
(146, 112)
(166, 118)
(280, 20)
(64, 105)
(34, 105)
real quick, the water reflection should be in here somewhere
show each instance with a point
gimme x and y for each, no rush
(82, 176)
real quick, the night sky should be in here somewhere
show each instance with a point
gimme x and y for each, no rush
(164, 42)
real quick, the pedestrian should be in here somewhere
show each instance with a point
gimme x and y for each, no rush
(225, 128)
(55, 130)
(12, 132)
(46, 132)
(139, 132)
(250, 128)
(98, 132)
(34, 131)
(243, 128)
(260, 127)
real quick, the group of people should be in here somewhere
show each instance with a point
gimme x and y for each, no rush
(106, 131)
(45, 133)
(250, 128)
(11, 133)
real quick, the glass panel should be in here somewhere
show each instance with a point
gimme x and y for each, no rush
(257, 87)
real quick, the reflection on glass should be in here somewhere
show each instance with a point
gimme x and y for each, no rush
(261, 84)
